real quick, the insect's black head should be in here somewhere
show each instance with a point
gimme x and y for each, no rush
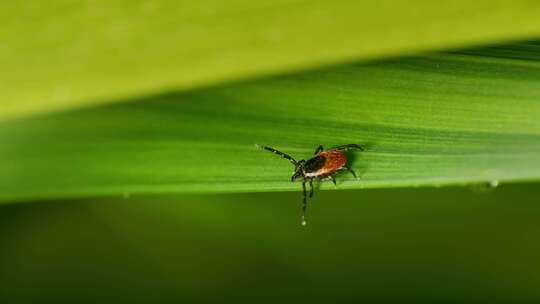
(298, 170)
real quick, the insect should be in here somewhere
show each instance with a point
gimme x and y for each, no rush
(324, 164)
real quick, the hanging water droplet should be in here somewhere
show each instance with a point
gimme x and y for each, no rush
(303, 222)
(484, 187)
(493, 183)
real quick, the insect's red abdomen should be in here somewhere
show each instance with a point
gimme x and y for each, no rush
(334, 160)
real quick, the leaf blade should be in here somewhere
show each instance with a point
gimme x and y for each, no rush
(67, 56)
(446, 118)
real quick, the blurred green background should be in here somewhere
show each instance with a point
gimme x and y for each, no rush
(444, 245)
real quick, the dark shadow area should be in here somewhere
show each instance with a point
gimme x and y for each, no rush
(376, 246)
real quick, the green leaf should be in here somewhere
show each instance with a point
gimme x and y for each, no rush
(456, 117)
(68, 54)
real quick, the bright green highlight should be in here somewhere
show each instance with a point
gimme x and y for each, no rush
(68, 54)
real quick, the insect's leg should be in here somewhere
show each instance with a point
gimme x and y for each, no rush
(351, 171)
(349, 146)
(319, 149)
(286, 156)
(333, 180)
(304, 188)
(304, 205)
(311, 187)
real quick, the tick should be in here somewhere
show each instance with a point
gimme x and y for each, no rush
(324, 164)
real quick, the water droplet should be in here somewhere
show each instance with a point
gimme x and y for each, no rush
(487, 186)
(304, 222)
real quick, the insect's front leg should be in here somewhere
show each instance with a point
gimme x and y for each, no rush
(284, 155)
